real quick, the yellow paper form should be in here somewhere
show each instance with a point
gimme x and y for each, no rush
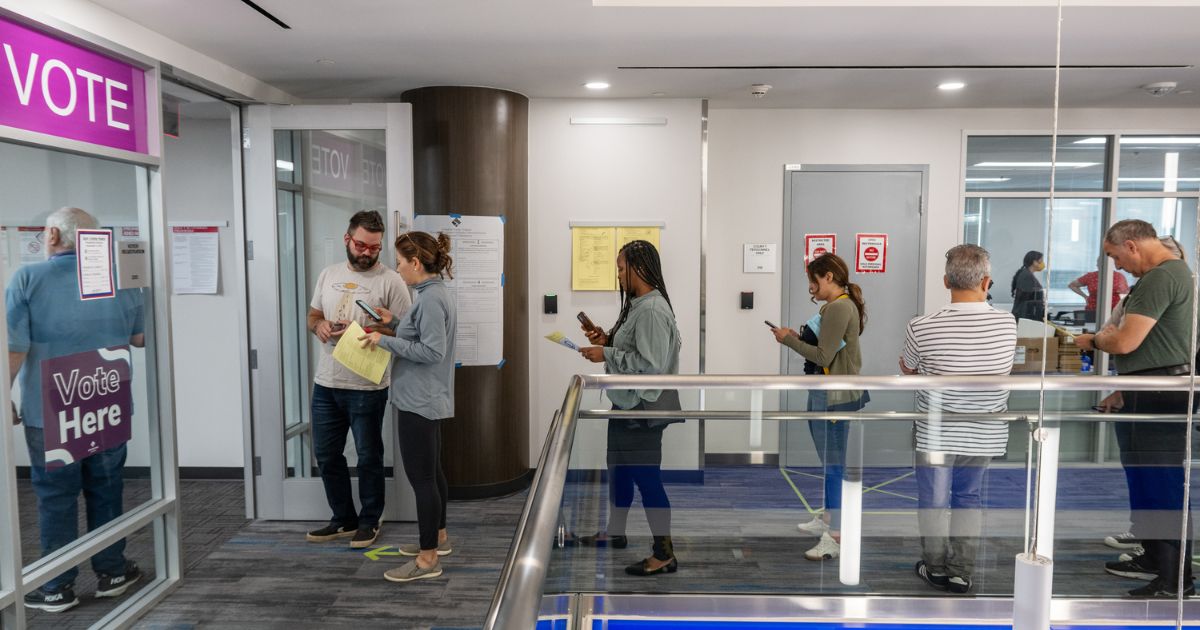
(593, 259)
(369, 363)
(627, 234)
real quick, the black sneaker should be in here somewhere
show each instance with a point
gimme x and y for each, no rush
(330, 532)
(939, 582)
(959, 584)
(1161, 589)
(52, 602)
(364, 537)
(1135, 568)
(116, 585)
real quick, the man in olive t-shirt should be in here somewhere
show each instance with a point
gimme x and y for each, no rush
(1154, 339)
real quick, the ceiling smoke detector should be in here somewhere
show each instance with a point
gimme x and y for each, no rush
(1161, 88)
(759, 90)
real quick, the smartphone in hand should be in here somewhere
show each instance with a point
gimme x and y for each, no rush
(587, 322)
(770, 325)
(372, 313)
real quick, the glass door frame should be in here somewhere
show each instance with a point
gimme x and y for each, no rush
(278, 497)
(162, 511)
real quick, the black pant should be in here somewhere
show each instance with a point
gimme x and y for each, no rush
(635, 459)
(1155, 454)
(421, 449)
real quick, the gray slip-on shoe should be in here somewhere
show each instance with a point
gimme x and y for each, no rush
(411, 572)
(412, 549)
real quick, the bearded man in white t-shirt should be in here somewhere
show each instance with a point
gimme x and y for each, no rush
(342, 401)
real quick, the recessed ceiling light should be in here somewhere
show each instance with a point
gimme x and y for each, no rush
(659, 94)
(324, 62)
(951, 85)
(596, 85)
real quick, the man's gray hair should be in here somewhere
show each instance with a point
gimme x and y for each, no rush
(966, 266)
(67, 221)
(1129, 230)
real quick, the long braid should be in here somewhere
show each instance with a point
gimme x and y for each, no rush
(642, 258)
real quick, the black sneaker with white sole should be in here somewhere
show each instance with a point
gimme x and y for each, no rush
(364, 537)
(940, 582)
(330, 532)
(116, 585)
(1159, 588)
(1136, 567)
(52, 602)
(958, 584)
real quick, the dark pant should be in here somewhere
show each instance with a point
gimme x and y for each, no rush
(99, 479)
(1155, 472)
(421, 449)
(635, 459)
(334, 412)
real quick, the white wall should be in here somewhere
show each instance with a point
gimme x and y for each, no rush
(198, 186)
(747, 153)
(608, 173)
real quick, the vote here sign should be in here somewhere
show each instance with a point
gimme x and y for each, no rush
(87, 404)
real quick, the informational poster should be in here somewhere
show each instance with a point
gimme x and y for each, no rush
(94, 264)
(477, 246)
(626, 234)
(758, 258)
(195, 256)
(870, 253)
(87, 404)
(593, 256)
(817, 245)
(33, 244)
(133, 264)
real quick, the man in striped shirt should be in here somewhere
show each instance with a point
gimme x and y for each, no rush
(965, 337)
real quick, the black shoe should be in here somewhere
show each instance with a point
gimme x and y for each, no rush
(639, 568)
(1135, 568)
(958, 584)
(116, 585)
(330, 532)
(939, 582)
(600, 539)
(52, 602)
(1161, 589)
(364, 537)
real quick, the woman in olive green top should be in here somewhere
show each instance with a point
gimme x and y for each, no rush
(645, 340)
(832, 345)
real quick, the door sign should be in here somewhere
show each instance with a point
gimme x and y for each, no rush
(870, 253)
(817, 245)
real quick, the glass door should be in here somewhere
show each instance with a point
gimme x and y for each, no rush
(308, 170)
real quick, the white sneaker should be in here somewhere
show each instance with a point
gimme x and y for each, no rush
(815, 527)
(827, 549)
(1125, 540)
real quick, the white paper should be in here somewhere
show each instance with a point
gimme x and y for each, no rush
(133, 264)
(758, 258)
(195, 255)
(32, 244)
(94, 255)
(477, 246)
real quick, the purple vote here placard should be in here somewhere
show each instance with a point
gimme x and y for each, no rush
(65, 90)
(87, 404)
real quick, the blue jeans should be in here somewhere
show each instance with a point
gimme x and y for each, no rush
(99, 479)
(334, 413)
(950, 510)
(829, 438)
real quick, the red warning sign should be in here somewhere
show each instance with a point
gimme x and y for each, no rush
(817, 245)
(870, 253)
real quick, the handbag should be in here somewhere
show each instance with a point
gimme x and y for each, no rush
(668, 400)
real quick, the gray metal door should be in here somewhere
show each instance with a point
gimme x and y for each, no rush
(848, 200)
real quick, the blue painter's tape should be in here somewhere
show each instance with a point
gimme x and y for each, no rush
(501, 363)
(457, 365)
(501, 279)
(455, 216)
(503, 220)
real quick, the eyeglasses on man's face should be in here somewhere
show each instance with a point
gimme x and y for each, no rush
(365, 248)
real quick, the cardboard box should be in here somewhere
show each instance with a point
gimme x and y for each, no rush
(1028, 358)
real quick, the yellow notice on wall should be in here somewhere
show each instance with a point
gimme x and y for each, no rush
(593, 259)
(627, 234)
(369, 363)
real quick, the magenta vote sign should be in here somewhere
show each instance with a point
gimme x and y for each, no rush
(87, 404)
(64, 90)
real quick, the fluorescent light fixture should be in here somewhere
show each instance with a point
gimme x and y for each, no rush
(951, 85)
(1145, 140)
(618, 120)
(1096, 140)
(1035, 164)
(982, 180)
(284, 165)
(1158, 179)
(596, 85)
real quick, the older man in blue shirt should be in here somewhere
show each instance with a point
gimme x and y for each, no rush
(46, 320)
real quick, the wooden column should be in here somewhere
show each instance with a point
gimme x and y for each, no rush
(471, 157)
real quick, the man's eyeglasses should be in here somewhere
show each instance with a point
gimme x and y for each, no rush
(363, 247)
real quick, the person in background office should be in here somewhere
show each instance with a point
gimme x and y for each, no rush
(1091, 282)
(645, 340)
(422, 391)
(1029, 298)
(1154, 339)
(829, 341)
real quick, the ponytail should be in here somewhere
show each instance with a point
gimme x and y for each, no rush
(442, 261)
(856, 296)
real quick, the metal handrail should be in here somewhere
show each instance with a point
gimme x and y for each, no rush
(515, 603)
(878, 416)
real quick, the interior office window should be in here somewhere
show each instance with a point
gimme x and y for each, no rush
(1170, 216)
(1022, 164)
(1159, 164)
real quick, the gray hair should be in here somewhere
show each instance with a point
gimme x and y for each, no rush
(67, 221)
(1173, 246)
(966, 266)
(1129, 230)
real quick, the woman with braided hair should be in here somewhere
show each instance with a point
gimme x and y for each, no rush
(645, 340)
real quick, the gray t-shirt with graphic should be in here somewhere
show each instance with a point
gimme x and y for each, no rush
(338, 287)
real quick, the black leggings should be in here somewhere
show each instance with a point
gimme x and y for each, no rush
(421, 449)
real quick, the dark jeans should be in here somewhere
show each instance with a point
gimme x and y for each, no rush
(635, 459)
(334, 412)
(99, 479)
(421, 449)
(1153, 453)
(950, 510)
(829, 438)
